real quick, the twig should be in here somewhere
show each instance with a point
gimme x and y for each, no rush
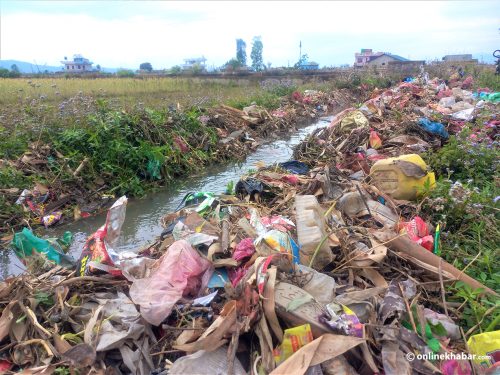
(166, 352)
(468, 349)
(364, 253)
(468, 265)
(493, 323)
(364, 200)
(442, 287)
(164, 326)
(408, 308)
(316, 251)
(89, 278)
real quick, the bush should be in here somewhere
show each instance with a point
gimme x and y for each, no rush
(465, 204)
(278, 87)
(125, 73)
(127, 148)
(470, 155)
(6, 73)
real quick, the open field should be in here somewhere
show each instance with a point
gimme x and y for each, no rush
(129, 91)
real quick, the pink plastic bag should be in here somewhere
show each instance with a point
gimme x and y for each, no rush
(181, 272)
(244, 249)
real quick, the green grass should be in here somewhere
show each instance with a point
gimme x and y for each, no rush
(463, 203)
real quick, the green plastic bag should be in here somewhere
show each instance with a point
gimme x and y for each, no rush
(25, 243)
(493, 97)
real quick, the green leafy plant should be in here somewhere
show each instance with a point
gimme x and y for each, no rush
(230, 188)
(44, 298)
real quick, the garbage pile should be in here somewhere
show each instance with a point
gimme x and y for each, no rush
(319, 265)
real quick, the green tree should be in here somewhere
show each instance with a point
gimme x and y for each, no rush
(4, 73)
(232, 64)
(14, 68)
(197, 69)
(176, 69)
(146, 66)
(98, 67)
(303, 59)
(256, 54)
(241, 53)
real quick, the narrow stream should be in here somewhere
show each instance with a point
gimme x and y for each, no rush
(142, 221)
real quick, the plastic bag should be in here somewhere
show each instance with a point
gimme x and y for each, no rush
(25, 243)
(342, 319)
(51, 218)
(203, 362)
(244, 249)
(433, 127)
(353, 120)
(486, 344)
(98, 254)
(447, 101)
(295, 166)
(418, 232)
(181, 272)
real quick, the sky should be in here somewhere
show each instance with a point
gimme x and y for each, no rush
(128, 33)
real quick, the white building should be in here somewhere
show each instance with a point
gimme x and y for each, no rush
(79, 64)
(191, 63)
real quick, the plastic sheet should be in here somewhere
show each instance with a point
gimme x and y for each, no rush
(25, 244)
(295, 166)
(98, 254)
(181, 271)
(433, 127)
(355, 119)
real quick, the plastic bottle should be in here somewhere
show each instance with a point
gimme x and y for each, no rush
(311, 231)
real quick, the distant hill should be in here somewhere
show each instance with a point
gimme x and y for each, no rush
(29, 68)
(26, 67)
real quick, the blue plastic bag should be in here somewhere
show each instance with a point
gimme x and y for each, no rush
(294, 166)
(433, 127)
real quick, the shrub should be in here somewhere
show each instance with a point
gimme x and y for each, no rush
(125, 73)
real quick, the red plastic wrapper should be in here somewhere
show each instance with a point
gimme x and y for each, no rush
(375, 141)
(98, 255)
(236, 274)
(277, 222)
(418, 232)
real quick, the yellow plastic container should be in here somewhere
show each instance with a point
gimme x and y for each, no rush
(403, 177)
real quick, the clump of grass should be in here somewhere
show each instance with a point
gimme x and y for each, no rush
(487, 78)
(127, 148)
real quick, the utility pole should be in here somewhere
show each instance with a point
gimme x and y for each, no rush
(300, 51)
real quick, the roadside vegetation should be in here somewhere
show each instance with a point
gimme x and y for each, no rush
(466, 205)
